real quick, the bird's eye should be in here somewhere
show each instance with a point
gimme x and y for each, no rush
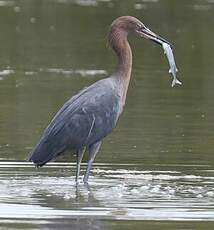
(140, 27)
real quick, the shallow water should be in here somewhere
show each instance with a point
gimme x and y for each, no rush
(115, 192)
(156, 170)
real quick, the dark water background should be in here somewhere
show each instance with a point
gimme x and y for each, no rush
(156, 170)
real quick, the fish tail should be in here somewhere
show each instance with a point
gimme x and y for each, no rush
(176, 81)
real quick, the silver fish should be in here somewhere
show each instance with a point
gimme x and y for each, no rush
(173, 69)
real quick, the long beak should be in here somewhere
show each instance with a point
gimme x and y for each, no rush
(148, 34)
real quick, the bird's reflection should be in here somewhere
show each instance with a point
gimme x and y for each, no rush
(84, 193)
(83, 199)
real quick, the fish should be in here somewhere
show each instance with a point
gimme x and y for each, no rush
(173, 69)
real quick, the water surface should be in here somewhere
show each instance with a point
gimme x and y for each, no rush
(119, 192)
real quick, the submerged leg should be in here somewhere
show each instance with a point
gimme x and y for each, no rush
(93, 150)
(80, 154)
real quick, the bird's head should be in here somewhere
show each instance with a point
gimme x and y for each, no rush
(129, 24)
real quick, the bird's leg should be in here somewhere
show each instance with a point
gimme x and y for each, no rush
(93, 150)
(80, 154)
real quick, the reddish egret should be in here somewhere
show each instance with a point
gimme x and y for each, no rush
(85, 119)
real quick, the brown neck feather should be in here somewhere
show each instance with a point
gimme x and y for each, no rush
(119, 43)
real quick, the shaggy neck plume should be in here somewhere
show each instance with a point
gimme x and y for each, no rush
(118, 42)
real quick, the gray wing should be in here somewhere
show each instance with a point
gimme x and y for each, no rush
(83, 120)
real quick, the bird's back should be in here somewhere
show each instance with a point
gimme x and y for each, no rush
(83, 120)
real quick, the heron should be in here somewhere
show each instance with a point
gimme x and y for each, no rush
(89, 116)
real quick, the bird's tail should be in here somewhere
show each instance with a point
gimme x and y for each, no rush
(43, 153)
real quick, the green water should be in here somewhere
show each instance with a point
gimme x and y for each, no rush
(49, 50)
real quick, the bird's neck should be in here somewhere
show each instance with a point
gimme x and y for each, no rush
(122, 72)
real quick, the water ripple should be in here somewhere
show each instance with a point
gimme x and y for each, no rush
(127, 192)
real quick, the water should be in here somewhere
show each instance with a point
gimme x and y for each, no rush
(116, 192)
(156, 170)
